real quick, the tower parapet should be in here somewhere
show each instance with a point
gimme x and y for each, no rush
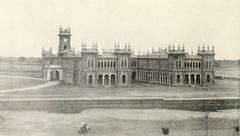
(126, 49)
(208, 51)
(178, 50)
(66, 31)
(93, 49)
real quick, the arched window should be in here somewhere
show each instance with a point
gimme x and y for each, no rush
(111, 64)
(92, 64)
(134, 75)
(90, 80)
(113, 80)
(178, 79)
(198, 79)
(106, 80)
(89, 63)
(171, 79)
(100, 79)
(114, 63)
(208, 78)
(123, 79)
(192, 77)
(125, 63)
(161, 78)
(98, 64)
(186, 79)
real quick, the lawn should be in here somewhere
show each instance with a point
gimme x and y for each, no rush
(138, 90)
(118, 122)
(12, 82)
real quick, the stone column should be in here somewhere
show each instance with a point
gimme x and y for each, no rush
(194, 79)
(189, 80)
(109, 81)
(103, 80)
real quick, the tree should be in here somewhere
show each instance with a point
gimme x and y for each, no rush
(165, 131)
(22, 59)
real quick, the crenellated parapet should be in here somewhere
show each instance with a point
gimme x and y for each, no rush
(66, 31)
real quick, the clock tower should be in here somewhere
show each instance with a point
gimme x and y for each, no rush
(64, 40)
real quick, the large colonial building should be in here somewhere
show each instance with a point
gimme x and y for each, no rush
(120, 66)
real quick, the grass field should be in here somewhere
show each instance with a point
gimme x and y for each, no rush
(227, 71)
(223, 88)
(11, 82)
(138, 90)
(118, 122)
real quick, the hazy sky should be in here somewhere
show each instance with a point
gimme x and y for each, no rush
(28, 25)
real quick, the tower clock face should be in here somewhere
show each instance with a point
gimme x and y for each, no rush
(65, 40)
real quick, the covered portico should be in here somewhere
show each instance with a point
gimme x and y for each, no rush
(53, 72)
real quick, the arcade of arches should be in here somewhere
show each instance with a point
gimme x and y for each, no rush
(104, 80)
(168, 78)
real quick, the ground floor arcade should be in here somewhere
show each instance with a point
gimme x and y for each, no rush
(173, 78)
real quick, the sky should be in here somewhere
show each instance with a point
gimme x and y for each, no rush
(27, 26)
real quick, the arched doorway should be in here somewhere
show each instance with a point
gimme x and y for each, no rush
(123, 79)
(171, 79)
(198, 79)
(54, 75)
(106, 80)
(134, 75)
(208, 78)
(100, 80)
(178, 79)
(146, 76)
(113, 80)
(192, 79)
(90, 80)
(166, 78)
(186, 81)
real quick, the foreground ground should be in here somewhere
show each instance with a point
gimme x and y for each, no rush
(118, 122)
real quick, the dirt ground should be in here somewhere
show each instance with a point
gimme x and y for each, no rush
(119, 122)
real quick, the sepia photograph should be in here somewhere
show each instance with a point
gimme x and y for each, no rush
(119, 68)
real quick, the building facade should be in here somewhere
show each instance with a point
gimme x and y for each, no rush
(120, 66)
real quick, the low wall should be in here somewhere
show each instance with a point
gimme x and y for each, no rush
(76, 105)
